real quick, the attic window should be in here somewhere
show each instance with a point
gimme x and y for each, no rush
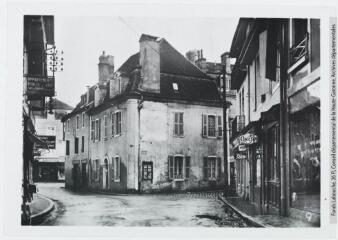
(175, 87)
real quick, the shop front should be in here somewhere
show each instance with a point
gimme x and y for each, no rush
(305, 152)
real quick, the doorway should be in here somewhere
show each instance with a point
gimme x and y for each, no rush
(272, 168)
(105, 174)
(84, 175)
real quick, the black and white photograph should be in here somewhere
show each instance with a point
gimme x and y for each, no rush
(151, 121)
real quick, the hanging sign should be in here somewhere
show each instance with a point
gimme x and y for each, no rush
(240, 156)
(241, 148)
(40, 86)
(50, 140)
(248, 139)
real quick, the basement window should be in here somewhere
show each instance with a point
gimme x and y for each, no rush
(175, 87)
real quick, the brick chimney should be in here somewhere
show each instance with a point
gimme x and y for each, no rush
(150, 63)
(106, 67)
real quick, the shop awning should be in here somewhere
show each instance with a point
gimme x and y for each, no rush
(272, 115)
(35, 139)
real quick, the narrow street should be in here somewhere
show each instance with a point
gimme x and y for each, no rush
(196, 209)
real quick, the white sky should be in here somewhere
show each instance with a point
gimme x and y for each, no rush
(84, 38)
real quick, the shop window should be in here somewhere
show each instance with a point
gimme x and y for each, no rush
(305, 159)
(116, 165)
(147, 170)
(178, 124)
(67, 147)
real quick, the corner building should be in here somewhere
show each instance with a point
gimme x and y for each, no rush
(155, 125)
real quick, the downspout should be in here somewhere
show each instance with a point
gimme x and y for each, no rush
(250, 155)
(225, 140)
(139, 107)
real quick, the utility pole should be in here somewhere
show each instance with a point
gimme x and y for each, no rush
(225, 132)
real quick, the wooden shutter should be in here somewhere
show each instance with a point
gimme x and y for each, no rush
(219, 167)
(204, 125)
(181, 131)
(112, 169)
(113, 124)
(219, 126)
(271, 52)
(175, 123)
(205, 168)
(170, 167)
(187, 166)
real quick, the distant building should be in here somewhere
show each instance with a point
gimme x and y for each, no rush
(153, 125)
(276, 133)
(49, 162)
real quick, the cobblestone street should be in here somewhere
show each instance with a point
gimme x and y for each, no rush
(189, 209)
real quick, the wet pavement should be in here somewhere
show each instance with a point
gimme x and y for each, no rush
(180, 210)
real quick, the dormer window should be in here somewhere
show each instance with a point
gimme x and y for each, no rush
(175, 87)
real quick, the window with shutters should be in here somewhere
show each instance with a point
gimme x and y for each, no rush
(211, 168)
(97, 129)
(178, 124)
(212, 126)
(116, 122)
(179, 167)
(147, 170)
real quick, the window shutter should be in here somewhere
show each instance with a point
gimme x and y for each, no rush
(175, 123)
(219, 126)
(271, 52)
(219, 167)
(118, 168)
(113, 169)
(205, 167)
(113, 124)
(181, 131)
(170, 167)
(204, 125)
(187, 166)
(99, 129)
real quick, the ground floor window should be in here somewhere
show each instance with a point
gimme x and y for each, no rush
(95, 169)
(305, 159)
(179, 166)
(212, 167)
(147, 170)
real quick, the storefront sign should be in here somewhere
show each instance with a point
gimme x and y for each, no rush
(241, 148)
(40, 85)
(50, 140)
(240, 156)
(248, 139)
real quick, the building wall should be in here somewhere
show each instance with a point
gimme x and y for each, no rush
(158, 141)
(80, 157)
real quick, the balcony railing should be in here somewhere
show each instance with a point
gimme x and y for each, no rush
(237, 124)
(299, 54)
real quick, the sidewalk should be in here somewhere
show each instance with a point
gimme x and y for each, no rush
(252, 215)
(40, 207)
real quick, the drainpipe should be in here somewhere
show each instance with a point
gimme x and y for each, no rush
(139, 107)
(225, 137)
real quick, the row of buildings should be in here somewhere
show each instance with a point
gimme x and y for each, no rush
(276, 133)
(157, 122)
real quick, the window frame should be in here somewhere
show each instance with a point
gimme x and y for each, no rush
(77, 120)
(207, 168)
(67, 147)
(205, 126)
(83, 120)
(76, 145)
(117, 123)
(105, 127)
(172, 167)
(82, 144)
(147, 164)
(116, 168)
(178, 124)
